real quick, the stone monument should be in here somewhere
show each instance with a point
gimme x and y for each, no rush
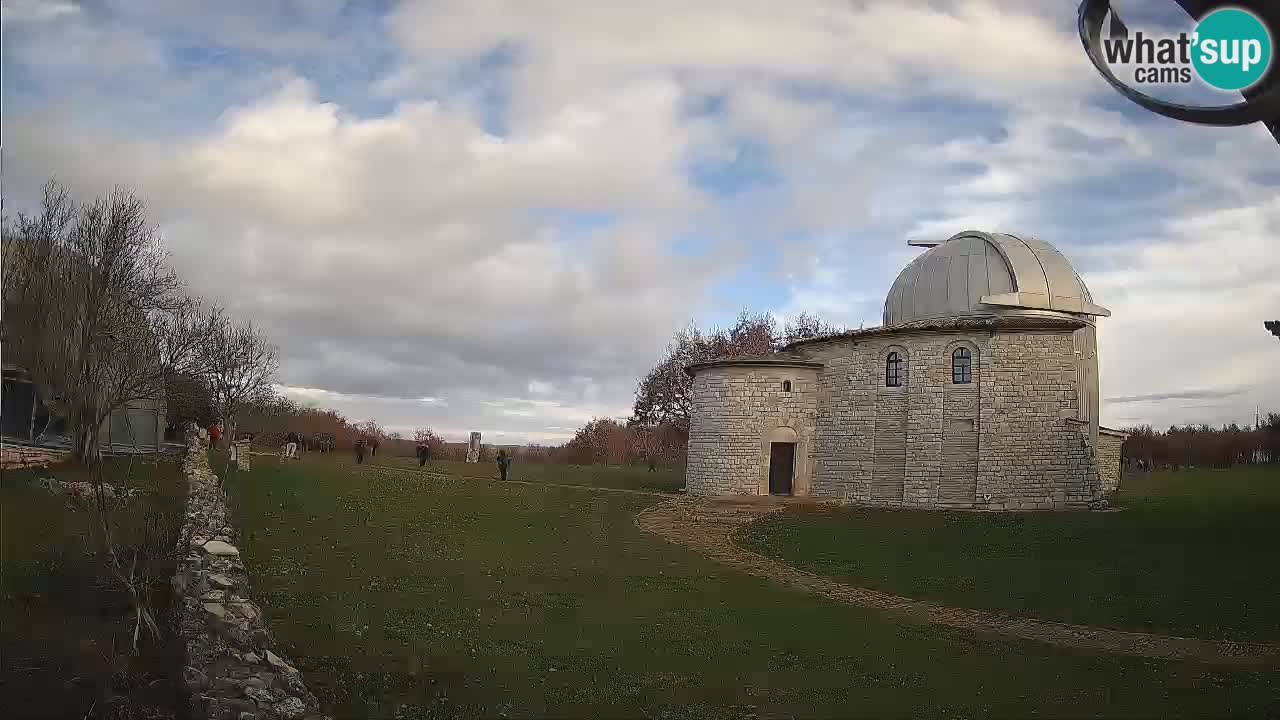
(240, 453)
(473, 448)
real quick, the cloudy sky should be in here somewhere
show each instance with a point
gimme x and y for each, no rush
(488, 215)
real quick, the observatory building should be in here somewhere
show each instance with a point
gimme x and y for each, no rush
(980, 390)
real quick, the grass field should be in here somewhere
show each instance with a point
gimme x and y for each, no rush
(1193, 553)
(403, 594)
(56, 593)
(632, 477)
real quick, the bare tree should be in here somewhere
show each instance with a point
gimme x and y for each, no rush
(371, 430)
(188, 399)
(804, 326)
(646, 443)
(237, 364)
(427, 436)
(92, 311)
(664, 395)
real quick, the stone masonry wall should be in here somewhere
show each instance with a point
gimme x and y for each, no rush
(1109, 457)
(1034, 453)
(735, 409)
(1020, 405)
(232, 672)
(854, 404)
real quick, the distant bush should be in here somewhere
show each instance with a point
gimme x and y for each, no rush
(1206, 446)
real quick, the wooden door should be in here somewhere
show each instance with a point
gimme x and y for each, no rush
(782, 462)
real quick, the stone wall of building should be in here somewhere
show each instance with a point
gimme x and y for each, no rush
(1110, 443)
(232, 671)
(868, 434)
(736, 412)
(1008, 440)
(848, 398)
(1035, 454)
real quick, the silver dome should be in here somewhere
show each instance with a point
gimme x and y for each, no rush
(980, 273)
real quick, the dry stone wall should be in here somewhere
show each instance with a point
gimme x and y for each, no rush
(1110, 443)
(735, 410)
(24, 456)
(232, 671)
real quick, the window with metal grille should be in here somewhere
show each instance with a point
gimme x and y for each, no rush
(961, 366)
(893, 370)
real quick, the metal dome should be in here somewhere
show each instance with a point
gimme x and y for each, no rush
(980, 273)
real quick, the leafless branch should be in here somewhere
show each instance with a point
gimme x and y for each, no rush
(237, 363)
(91, 309)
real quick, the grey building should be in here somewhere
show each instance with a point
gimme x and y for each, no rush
(23, 417)
(980, 389)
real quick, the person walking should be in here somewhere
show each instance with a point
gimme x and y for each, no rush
(504, 462)
(215, 434)
(291, 446)
(424, 454)
(360, 451)
(373, 449)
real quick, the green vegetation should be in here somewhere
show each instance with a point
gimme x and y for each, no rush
(401, 593)
(626, 477)
(56, 595)
(1192, 553)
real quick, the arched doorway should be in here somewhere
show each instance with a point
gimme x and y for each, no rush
(782, 461)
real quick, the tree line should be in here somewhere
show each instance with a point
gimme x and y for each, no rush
(1205, 446)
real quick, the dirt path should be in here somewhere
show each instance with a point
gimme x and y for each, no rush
(708, 526)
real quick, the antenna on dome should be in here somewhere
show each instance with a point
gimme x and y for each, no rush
(921, 242)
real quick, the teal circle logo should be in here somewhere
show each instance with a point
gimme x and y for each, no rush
(1232, 49)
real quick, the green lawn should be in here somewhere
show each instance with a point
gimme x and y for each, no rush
(401, 593)
(55, 593)
(629, 477)
(1193, 553)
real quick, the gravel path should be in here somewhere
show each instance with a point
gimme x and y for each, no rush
(707, 525)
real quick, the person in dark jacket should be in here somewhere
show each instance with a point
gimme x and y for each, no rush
(359, 451)
(424, 454)
(504, 462)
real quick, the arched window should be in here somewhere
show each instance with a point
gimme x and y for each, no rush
(961, 366)
(786, 386)
(893, 370)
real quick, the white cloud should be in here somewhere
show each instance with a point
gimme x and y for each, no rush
(973, 48)
(497, 249)
(1187, 313)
